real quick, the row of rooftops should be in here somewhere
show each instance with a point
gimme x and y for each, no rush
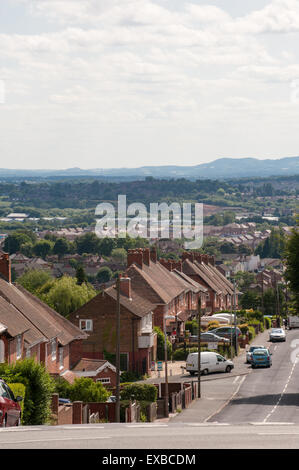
(23, 313)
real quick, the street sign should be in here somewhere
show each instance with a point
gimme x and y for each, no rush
(212, 345)
(159, 365)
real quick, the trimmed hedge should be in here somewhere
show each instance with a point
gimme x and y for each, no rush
(139, 392)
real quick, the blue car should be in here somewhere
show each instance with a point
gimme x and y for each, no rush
(261, 358)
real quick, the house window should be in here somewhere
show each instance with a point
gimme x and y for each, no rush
(28, 352)
(2, 351)
(104, 380)
(53, 349)
(86, 325)
(60, 358)
(19, 347)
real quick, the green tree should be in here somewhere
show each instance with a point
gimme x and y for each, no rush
(61, 247)
(119, 255)
(88, 243)
(161, 344)
(104, 274)
(65, 296)
(80, 275)
(13, 242)
(43, 248)
(34, 279)
(292, 263)
(86, 390)
(250, 300)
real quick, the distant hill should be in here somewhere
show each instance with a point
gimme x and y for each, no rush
(223, 168)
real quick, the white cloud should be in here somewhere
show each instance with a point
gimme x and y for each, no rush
(138, 63)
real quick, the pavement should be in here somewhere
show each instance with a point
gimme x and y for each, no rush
(217, 390)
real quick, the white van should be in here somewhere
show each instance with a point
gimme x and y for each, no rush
(293, 322)
(209, 362)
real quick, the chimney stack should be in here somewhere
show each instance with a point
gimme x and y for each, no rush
(5, 266)
(146, 256)
(135, 256)
(153, 254)
(125, 287)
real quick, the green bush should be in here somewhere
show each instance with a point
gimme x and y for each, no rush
(19, 390)
(139, 392)
(243, 328)
(129, 376)
(39, 388)
(268, 322)
(86, 390)
(251, 332)
(213, 324)
(160, 345)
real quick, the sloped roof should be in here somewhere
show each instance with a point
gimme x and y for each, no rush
(192, 269)
(155, 282)
(189, 282)
(29, 312)
(92, 365)
(138, 305)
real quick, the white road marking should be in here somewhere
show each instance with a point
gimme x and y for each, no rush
(281, 395)
(59, 439)
(236, 379)
(147, 425)
(227, 402)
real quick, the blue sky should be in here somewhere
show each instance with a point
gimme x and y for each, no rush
(125, 83)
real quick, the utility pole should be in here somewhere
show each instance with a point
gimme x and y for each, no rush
(166, 397)
(231, 327)
(198, 346)
(235, 318)
(117, 404)
(262, 276)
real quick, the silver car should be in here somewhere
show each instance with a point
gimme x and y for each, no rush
(277, 334)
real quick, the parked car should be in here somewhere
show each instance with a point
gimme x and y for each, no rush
(208, 337)
(209, 362)
(261, 358)
(250, 351)
(226, 331)
(293, 322)
(277, 334)
(112, 399)
(10, 410)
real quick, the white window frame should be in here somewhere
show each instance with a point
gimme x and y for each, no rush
(2, 351)
(61, 357)
(104, 380)
(19, 347)
(28, 353)
(53, 349)
(88, 323)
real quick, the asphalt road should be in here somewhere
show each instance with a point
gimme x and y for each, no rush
(152, 436)
(268, 395)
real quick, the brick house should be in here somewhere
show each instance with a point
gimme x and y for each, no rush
(31, 328)
(201, 268)
(149, 292)
(99, 370)
(98, 318)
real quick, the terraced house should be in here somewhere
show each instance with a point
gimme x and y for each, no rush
(30, 328)
(201, 268)
(149, 292)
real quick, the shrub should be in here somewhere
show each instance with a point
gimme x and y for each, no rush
(243, 328)
(267, 322)
(129, 376)
(140, 392)
(19, 390)
(160, 345)
(39, 388)
(86, 390)
(251, 332)
(213, 324)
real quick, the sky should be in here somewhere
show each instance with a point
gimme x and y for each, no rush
(128, 83)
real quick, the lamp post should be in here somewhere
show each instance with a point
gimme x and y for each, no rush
(235, 318)
(166, 395)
